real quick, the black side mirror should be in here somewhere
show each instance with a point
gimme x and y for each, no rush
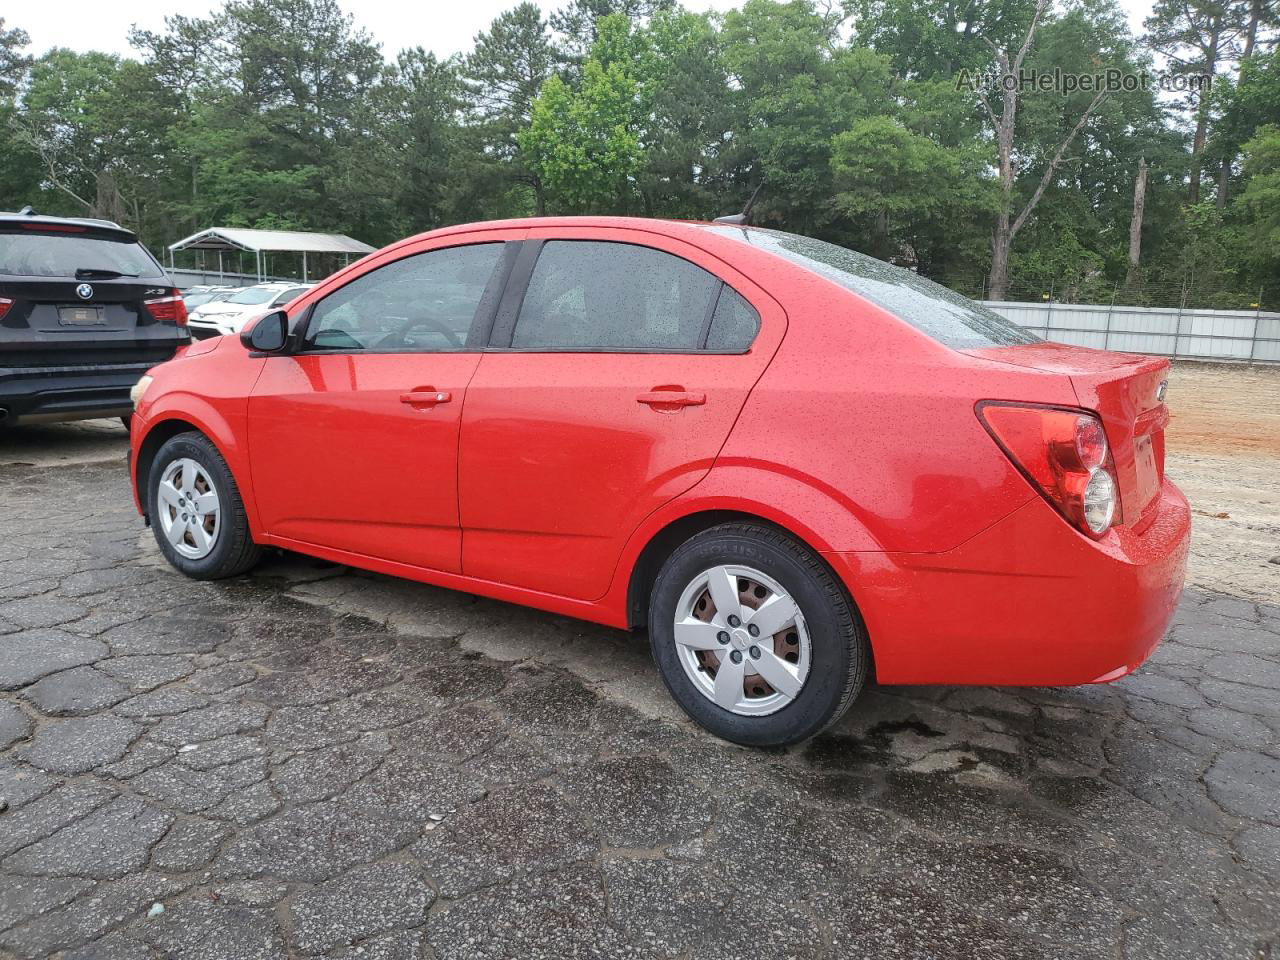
(269, 335)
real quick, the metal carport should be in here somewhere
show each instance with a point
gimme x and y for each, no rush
(261, 243)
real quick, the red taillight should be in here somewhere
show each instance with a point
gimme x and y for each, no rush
(171, 309)
(1064, 454)
(5, 304)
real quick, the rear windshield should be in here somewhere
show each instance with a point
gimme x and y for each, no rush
(931, 308)
(26, 253)
(252, 295)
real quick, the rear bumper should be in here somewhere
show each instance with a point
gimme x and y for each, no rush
(1028, 602)
(45, 394)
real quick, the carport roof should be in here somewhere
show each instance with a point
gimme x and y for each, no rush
(256, 241)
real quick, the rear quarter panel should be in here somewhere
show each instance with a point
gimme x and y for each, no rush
(868, 428)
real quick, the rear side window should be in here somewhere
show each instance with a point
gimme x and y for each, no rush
(31, 253)
(734, 325)
(931, 308)
(594, 295)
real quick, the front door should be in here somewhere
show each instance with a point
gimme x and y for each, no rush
(609, 390)
(353, 440)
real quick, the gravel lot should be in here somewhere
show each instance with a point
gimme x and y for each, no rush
(1224, 451)
(314, 762)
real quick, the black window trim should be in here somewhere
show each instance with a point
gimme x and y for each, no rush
(504, 328)
(481, 324)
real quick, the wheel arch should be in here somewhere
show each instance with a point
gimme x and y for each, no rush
(162, 430)
(663, 542)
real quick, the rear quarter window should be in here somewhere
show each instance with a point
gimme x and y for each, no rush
(942, 314)
(29, 253)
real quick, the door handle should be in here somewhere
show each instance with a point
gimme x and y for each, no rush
(672, 398)
(426, 397)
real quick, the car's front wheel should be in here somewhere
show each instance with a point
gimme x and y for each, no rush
(755, 637)
(196, 512)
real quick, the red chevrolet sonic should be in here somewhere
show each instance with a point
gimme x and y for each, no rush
(795, 464)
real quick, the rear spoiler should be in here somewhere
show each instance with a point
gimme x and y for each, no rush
(49, 225)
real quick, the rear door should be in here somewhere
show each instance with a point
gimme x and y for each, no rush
(353, 440)
(619, 363)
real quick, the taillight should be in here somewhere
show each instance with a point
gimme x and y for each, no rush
(5, 304)
(1064, 454)
(171, 309)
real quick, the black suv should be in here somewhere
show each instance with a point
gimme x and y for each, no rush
(84, 311)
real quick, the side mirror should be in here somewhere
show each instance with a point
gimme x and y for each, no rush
(270, 334)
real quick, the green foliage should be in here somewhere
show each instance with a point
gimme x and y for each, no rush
(284, 113)
(583, 143)
(1258, 206)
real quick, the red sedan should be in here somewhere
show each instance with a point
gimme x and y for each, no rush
(795, 464)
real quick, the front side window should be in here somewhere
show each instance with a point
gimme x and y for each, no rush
(594, 295)
(423, 303)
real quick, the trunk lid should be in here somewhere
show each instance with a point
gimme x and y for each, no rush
(1127, 391)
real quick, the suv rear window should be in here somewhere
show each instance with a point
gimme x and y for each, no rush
(946, 316)
(32, 253)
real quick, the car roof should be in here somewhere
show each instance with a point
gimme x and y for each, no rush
(696, 232)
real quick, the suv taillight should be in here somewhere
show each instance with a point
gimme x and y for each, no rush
(171, 309)
(5, 304)
(1064, 454)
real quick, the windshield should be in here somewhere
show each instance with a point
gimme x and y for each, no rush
(946, 316)
(30, 254)
(253, 295)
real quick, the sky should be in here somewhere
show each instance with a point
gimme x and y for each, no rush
(441, 27)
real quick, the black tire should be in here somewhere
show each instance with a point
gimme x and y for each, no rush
(840, 653)
(233, 550)
(128, 422)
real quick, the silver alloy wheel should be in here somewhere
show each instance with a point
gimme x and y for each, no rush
(190, 514)
(742, 640)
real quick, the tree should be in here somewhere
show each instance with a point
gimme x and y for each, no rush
(899, 186)
(577, 22)
(503, 76)
(1258, 205)
(1198, 36)
(18, 165)
(584, 144)
(1005, 127)
(797, 85)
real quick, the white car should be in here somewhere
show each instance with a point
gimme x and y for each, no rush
(220, 317)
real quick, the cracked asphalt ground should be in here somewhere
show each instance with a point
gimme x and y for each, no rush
(314, 762)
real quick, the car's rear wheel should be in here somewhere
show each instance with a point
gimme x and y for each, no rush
(754, 636)
(196, 512)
